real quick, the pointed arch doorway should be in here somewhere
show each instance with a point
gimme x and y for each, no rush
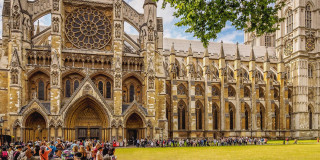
(134, 128)
(35, 127)
(86, 119)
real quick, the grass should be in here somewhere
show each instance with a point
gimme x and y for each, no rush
(270, 152)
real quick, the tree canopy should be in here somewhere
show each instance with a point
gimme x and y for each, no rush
(206, 18)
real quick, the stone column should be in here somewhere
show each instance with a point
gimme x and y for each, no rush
(118, 30)
(208, 117)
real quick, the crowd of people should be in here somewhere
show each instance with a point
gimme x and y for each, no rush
(76, 150)
(199, 142)
(96, 150)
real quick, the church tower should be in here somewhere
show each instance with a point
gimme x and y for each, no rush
(296, 40)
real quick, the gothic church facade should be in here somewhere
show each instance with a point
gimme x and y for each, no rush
(84, 77)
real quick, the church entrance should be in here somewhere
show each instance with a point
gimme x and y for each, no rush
(35, 128)
(87, 120)
(134, 128)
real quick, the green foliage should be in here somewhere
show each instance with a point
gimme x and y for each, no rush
(206, 18)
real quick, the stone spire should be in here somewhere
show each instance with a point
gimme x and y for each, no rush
(221, 56)
(38, 27)
(266, 56)
(252, 56)
(190, 53)
(173, 51)
(237, 52)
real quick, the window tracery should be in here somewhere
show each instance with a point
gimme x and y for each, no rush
(215, 91)
(88, 28)
(308, 16)
(289, 21)
(231, 91)
(182, 90)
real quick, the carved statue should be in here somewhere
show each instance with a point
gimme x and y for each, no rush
(117, 30)
(55, 5)
(16, 17)
(55, 24)
(117, 9)
(55, 77)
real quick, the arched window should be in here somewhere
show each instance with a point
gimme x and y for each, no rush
(231, 114)
(108, 90)
(215, 91)
(75, 85)
(100, 87)
(231, 92)
(246, 119)
(308, 16)
(247, 92)
(310, 117)
(181, 116)
(182, 90)
(215, 116)
(68, 88)
(131, 93)
(276, 116)
(198, 115)
(310, 71)
(261, 92)
(289, 21)
(276, 94)
(41, 90)
(199, 91)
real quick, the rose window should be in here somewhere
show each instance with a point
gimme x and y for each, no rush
(88, 28)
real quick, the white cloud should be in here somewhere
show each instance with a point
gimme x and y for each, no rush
(230, 37)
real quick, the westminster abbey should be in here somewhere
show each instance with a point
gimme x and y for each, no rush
(85, 77)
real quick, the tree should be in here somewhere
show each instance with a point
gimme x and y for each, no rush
(206, 18)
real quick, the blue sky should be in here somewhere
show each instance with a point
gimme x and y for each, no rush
(229, 34)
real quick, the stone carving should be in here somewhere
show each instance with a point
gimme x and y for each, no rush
(151, 82)
(14, 76)
(310, 42)
(118, 80)
(117, 30)
(55, 24)
(55, 77)
(55, 5)
(118, 9)
(288, 47)
(150, 30)
(16, 17)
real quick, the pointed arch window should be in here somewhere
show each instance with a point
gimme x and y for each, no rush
(181, 116)
(215, 91)
(231, 114)
(108, 90)
(199, 91)
(246, 119)
(131, 93)
(310, 117)
(289, 21)
(310, 71)
(247, 92)
(308, 17)
(267, 42)
(182, 90)
(68, 88)
(231, 91)
(199, 115)
(215, 116)
(75, 85)
(41, 90)
(100, 87)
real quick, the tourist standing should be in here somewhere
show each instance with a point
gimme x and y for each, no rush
(44, 153)
(99, 155)
(29, 152)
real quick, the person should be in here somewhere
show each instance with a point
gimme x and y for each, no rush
(105, 150)
(83, 153)
(99, 155)
(44, 153)
(88, 151)
(17, 153)
(4, 154)
(29, 152)
(76, 153)
(51, 154)
(59, 147)
(37, 150)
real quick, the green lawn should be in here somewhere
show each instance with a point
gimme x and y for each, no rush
(270, 152)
